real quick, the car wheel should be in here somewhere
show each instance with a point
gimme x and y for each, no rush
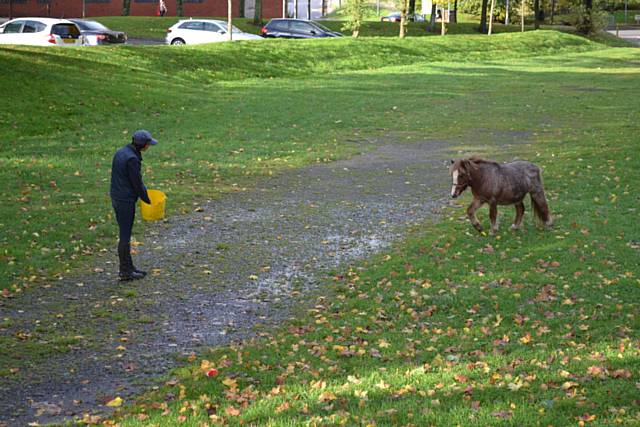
(177, 42)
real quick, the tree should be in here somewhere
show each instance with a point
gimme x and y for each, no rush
(536, 14)
(493, 5)
(257, 12)
(354, 10)
(403, 5)
(126, 4)
(483, 16)
(230, 19)
(412, 7)
(432, 19)
(587, 19)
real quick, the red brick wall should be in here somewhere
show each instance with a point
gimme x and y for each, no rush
(217, 8)
(271, 9)
(62, 8)
(73, 8)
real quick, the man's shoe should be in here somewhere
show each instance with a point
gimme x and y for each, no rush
(144, 273)
(134, 275)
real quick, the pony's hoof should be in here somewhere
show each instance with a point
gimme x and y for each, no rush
(515, 227)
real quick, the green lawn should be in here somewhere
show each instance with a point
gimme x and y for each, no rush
(449, 327)
(153, 27)
(56, 152)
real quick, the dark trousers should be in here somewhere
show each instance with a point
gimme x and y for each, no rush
(125, 214)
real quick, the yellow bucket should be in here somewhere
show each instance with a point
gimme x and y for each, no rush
(154, 211)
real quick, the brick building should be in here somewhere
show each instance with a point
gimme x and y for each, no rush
(74, 8)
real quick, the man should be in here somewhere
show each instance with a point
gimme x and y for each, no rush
(162, 8)
(126, 188)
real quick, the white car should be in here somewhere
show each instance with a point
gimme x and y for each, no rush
(196, 31)
(41, 32)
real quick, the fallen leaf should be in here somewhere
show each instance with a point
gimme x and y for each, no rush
(115, 402)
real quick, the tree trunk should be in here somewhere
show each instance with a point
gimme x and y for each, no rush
(432, 19)
(295, 9)
(506, 16)
(412, 7)
(493, 5)
(483, 16)
(536, 14)
(229, 19)
(309, 10)
(553, 9)
(241, 7)
(455, 13)
(10, 9)
(522, 16)
(403, 19)
(257, 12)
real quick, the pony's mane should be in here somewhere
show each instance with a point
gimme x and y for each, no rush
(477, 159)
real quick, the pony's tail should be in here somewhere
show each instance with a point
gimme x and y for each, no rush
(540, 205)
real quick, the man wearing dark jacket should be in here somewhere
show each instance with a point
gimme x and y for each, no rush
(126, 188)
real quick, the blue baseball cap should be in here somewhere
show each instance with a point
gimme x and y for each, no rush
(143, 137)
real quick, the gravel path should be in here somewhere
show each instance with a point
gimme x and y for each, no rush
(217, 275)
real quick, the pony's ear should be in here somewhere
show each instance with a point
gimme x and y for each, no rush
(451, 161)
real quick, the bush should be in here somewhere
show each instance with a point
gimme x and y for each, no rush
(588, 21)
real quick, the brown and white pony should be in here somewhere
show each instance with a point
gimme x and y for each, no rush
(499, 184)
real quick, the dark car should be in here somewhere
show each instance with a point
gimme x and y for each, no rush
(96, 34)
(396, 16)
(296, 29)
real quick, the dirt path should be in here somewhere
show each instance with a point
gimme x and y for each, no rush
(218, 275)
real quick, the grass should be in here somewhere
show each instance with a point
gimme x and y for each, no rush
(56, 154)
(454, 328)
(620, 16)
(448, 327)
(147, 27)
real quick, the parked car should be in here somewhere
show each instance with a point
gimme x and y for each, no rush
(296, 29)
(196, 31)
(97, 34)
(41, 32)
(397, 16)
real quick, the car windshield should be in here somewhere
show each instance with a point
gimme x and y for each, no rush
(91, 26)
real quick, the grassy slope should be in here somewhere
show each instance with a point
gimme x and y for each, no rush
(156, 27)
(56, 153)
(452, 328)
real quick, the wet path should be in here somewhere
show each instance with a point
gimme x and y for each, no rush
(217, 275)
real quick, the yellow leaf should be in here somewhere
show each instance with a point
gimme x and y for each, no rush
(230, 382)
(205, 365)
(326, 396)
(115, 402)
(232, 412)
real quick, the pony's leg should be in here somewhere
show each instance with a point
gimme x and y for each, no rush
(519, 215)
(471, 213)
(493, 217)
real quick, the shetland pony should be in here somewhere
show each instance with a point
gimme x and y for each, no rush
(499, 184)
